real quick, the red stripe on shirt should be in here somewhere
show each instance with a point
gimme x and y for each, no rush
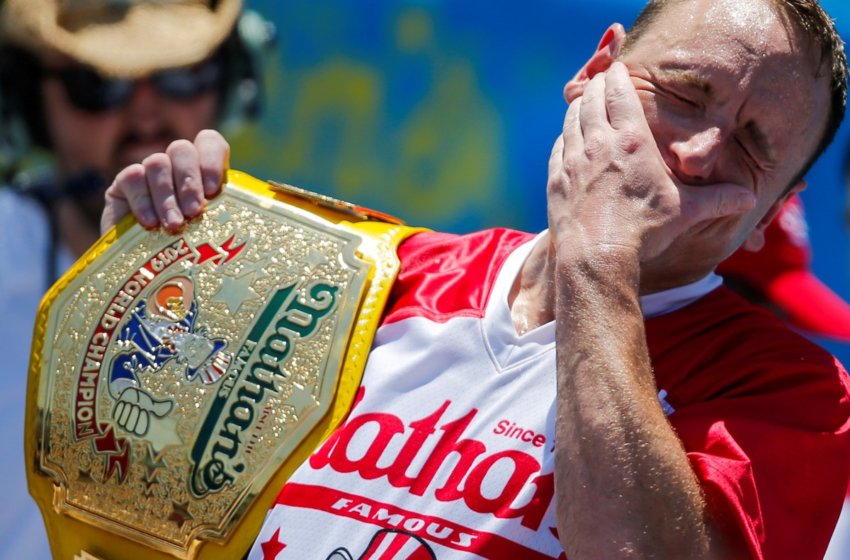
(387, 516)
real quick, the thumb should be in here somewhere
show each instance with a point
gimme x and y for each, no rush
(161, 408)
(113, 212)
(719, 200)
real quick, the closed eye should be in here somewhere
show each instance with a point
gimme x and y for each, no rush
(679, 97)
(755, 144)
(743, 146)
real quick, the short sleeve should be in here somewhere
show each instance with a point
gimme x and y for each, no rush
(774, 459)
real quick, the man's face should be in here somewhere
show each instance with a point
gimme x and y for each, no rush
(730, 97)
(107, 141)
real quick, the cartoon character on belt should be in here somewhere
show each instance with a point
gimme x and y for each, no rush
(160, 329)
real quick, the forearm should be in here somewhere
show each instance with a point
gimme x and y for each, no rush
(625, 488)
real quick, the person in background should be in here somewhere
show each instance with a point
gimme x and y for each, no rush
(98, 85)
(779, 278)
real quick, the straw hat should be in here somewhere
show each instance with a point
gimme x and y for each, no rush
(127, 38)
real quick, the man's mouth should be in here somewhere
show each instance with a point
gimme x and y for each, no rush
(134, 147)
(137, 150)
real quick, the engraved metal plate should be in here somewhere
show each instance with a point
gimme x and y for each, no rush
(180, 371)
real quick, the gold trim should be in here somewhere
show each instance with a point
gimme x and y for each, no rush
(71, 529)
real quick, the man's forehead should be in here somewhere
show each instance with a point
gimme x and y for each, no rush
(752, 17)
(744, 43)
(726, 28)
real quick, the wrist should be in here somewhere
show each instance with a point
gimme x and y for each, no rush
(577, 254)
(592, 273)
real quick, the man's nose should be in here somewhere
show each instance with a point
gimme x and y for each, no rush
(145, 105)
(696, 154)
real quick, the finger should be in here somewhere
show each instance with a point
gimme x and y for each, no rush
(186, 168)
(572, 136)
(133, 418)
(129, 192)
(119, 408)
(710, 202)
(113, 211)
(214, 153)
(622, 102)
(125, 414)
(160, 178)
(144, 420)
(556, 158)
(136, 429)
(593, 116)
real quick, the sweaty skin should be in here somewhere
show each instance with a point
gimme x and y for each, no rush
(636, 209)
(669, 160)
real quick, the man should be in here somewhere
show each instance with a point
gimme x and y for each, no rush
(100, 85)
(594, 392)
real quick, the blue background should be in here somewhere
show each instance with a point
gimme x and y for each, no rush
(444, 113)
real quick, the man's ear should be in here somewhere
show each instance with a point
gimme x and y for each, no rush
(605, 55)
(755, 241)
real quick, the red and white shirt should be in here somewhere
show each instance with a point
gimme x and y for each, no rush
(448, 451)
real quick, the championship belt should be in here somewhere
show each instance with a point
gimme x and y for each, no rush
(177, 381)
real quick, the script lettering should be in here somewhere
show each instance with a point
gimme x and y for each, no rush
(259, 370)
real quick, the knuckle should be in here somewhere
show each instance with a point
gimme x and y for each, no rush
(178, 147)
(556, 187)
(126, 180)
(187, 185)
(131, 173)
(208, 134)
(631, 140)
(594, 145)
(617, 92)
(114, 190)
(156, 163)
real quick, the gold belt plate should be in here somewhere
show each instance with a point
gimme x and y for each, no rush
(177, 380)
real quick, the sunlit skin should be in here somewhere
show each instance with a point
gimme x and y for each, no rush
(109, 141)
(670, 158)
(648, 190)
(720, 111)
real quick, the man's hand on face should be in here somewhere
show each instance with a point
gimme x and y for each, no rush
(167, 188)
(609, 186)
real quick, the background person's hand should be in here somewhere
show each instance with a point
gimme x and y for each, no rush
(167, 188)
(609, 184)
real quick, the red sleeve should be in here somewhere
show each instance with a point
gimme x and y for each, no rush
(444, 275)
(773, 460)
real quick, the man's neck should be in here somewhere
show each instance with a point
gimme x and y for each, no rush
(532, 296)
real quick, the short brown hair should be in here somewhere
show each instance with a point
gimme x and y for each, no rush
(810, 19)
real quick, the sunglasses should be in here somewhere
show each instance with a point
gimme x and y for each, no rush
(89, 91)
